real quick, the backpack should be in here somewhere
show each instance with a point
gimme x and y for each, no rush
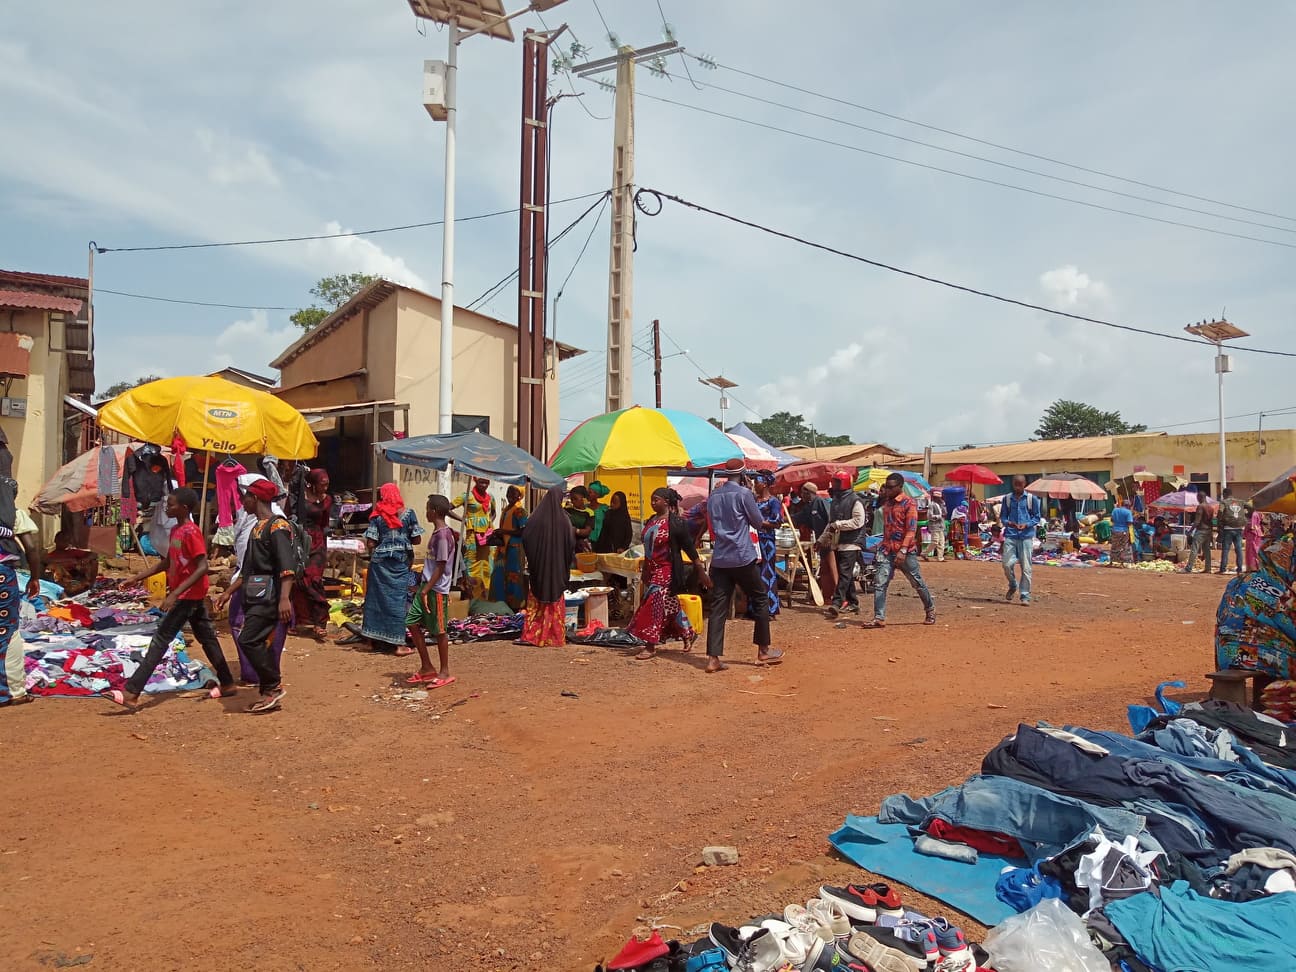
(301, 546)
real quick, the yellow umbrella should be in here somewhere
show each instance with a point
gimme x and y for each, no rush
(212, 415)
(1279, 496)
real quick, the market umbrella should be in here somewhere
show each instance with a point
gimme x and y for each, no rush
(755, 455)
(1279, 496)
(820, 473)
(873, 477)
(472, 454)
(75, 486)
(972, 473)
(643, 438)
(211, 415)
(1182, 501)
(747, 432)
(1067, 486)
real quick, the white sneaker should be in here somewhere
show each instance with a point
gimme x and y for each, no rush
(801, 948)
(760, 952)
(798, 917)
(830, 913)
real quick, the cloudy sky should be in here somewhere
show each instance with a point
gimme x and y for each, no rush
(141, 123)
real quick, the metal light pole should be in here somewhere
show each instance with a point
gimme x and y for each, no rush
(1217, 332)
(440, 98)
(721, 384)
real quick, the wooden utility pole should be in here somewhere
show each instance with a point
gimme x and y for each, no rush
(657, 361)
(620, 357)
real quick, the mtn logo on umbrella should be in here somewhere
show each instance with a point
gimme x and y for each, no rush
(222, 413)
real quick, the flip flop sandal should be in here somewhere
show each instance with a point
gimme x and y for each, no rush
(437, 683)
(267, 703)
(930, 619)
(117, 697)
(875, 623)
(419, 679)
(773, 657)
(219, 692)
(713, 671)
(647, 654)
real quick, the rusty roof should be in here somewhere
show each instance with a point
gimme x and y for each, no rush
(842, 453)
(30, 299)
(1046, 450)
(23, 278)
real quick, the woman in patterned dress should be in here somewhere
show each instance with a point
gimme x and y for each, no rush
(666, 539)
(479, 520)
(508, 582)
(1255, 627)
(771, 507)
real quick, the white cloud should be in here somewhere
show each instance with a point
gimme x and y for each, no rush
(1068, 287)
(235, 162)
(360, 254)
(252, 343)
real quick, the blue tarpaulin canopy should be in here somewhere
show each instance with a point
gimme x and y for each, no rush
(472, 454)
(744, 430)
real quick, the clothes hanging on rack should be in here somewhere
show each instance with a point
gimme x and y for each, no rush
(178, 450)
(270, 466)
(146, 475)
(227, 492)
(109, 477)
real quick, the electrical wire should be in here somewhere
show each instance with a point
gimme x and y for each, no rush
(963, 175)
(981, 158)
(989, 144)
(327, 236)
(603, 20)
(194, 303)
(659, 196)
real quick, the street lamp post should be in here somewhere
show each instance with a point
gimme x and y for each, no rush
(440, 98)
(1217, 332)
(721, 384)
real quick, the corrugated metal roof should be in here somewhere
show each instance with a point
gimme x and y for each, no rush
(842, 453)
(1049, 450)
(23, 278)
(33, 300)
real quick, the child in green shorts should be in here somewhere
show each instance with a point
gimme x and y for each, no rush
(429, 614)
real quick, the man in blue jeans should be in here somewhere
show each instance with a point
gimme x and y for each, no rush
(1020, 516)
(899, 551)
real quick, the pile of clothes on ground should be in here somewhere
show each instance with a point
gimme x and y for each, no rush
(863, 927)
(1171, 851)
(81, 647)
(1088, 557)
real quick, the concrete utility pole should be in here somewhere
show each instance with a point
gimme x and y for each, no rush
(1217, 332)
(657, 359)
(620, 348)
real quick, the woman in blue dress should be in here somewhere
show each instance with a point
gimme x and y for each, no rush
(771, 508)
(393, 533)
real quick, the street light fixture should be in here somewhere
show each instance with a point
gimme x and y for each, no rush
(464, 18)
(721, 384)
(1217, 332)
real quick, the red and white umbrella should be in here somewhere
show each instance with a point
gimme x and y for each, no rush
(1067, 486)
(755, 455)
(75, 486)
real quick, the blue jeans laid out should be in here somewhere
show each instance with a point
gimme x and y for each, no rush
(1045, 823)
(1231, 538)
(1018, 552)
(887, 565)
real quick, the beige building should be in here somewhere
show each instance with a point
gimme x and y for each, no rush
(370, 371)
(1253, 459)
(44, 361)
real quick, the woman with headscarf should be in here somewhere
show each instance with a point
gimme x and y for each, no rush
(245, 520)
(550, 544)
(391, 537)
(310, 603)
(771, 507)
(617, 533)
(508, 583)
(597, 510)
(667, 539)
(479, 522)
(1255, 626)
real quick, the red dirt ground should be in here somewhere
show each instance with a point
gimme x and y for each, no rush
(501, 825)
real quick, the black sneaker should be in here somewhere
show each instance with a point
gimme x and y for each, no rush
(726, 939)
(1012, 592)
(850, 609)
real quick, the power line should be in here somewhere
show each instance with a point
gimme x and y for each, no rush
(703, 372)
(963, 175)
(325, 236)
(706, 62)
(981, 158)
(610, 36)
(195, 303)
(659, 196)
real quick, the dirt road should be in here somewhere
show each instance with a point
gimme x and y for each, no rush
(502, 824)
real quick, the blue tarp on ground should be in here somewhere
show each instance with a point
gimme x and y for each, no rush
(473, 454)
(888, 849)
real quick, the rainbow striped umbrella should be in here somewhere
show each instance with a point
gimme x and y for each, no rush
(643, 438)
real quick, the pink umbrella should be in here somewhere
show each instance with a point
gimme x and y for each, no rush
(75, 486)
(755, 455)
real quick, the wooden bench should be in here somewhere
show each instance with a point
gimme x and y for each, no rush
(1229, 685)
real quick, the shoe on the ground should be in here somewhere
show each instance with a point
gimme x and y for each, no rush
(760, 952)
(1012, 592)
(917, 934)
(636, 953)
(883, 952)
(830, 913)
(949, 939)
(832, 611)
(1025, 602)
(864, 903)
(801, 948)
(850, 609)
(709, 960)
(800, 917)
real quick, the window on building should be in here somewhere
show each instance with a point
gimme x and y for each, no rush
(470, 423)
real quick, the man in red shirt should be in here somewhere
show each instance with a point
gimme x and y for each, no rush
(899, 550)
(185, 564)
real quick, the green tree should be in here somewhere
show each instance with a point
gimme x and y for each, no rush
(333, 291)
(112, 391)
(784, 429)
(1075, 420)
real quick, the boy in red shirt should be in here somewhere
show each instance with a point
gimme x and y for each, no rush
(185, 564)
